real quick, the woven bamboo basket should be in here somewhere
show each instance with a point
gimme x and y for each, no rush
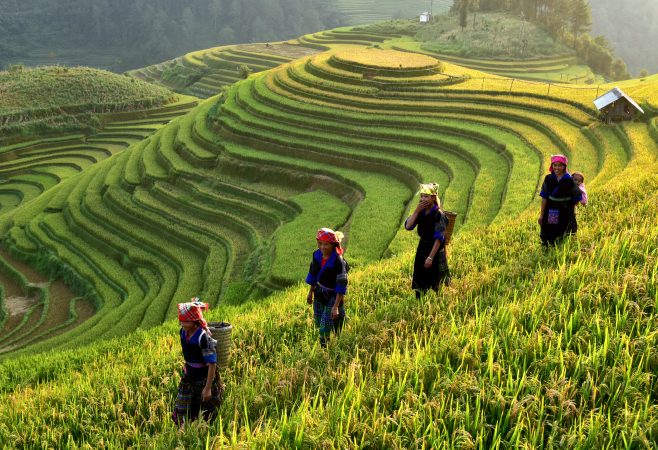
(451, 226)
(221, 331)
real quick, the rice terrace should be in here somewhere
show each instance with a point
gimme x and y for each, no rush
(208, 176)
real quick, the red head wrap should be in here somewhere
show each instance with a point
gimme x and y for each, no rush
(192, 311)
(329, 235)
(558, 158)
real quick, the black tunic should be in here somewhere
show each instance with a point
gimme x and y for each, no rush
(328, 280)
(431, 226)
(561, 197)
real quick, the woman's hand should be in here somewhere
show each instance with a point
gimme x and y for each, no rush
(334, 312)
(309, 298)
(205, 394)
(428, 262)
(541, 217)
(423, 204)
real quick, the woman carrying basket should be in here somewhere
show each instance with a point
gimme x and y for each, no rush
(559, 195)
(327, 277)
(200, 389)
(431, 264)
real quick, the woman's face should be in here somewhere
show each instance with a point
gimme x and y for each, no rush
(427, 198)
(325, 247)
(187, 325)
(558, 168)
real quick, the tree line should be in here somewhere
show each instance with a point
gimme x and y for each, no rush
(568, 21)
(140, 32)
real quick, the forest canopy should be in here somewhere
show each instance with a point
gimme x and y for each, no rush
(135, 33)
(632, 28)
(569, 21)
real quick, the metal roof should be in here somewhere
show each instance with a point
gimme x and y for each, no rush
(613, 96)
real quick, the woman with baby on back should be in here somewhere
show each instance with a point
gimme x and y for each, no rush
(559, 194)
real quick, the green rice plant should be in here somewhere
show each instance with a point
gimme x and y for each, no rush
(42, 89)
(522, 339)
(295, 241)
(424, 156)
(365, 246)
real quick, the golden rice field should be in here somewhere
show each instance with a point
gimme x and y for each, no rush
(386, 59)
(221, 199)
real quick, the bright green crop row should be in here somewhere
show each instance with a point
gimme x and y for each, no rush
(92, 154)
(149, 166)
(205, 190)
(278, 59)
(500, 358)
(196, 154)
(486, 208)
(263, 222)
(519, 192)
(459, 100)
(554, 127)
(376, 211)
(295, 241)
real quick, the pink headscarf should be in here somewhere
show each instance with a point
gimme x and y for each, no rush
(192, 311)
(329, 235)
(558, 158)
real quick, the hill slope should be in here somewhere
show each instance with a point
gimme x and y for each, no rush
(209, 204)
(525, 347)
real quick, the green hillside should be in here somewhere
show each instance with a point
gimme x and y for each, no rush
(71, 89)
(209, 204)
(221, 199)
(526, 347)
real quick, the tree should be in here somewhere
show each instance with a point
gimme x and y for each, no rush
(580, 16)
(475, 5)
(643, 73)
(463, 13)
(244, 71)
(619, 70)
(215, 9)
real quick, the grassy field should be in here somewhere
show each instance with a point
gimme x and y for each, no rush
(527, 348)
(221, 199)
(494, 36)
(71, 88)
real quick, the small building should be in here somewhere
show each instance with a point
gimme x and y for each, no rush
(615, 106)
(424, 17)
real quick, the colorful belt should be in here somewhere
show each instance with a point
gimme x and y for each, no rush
(565, 199)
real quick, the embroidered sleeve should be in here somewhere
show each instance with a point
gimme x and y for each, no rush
(311, 278)
(341, 278)
(576, 193)
(208, 348)
(544, 190)
(406, 227)
(440, 226)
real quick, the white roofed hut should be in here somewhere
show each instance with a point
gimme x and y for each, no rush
(424, 17)
(615, 106)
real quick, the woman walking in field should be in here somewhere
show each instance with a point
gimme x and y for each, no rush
(200, 389)
(431, 264)
(559, 193)
(327, 277)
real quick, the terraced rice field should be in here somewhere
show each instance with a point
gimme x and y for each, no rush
(36, 305)
(221, 202)
(204, 73)
(563, 69)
